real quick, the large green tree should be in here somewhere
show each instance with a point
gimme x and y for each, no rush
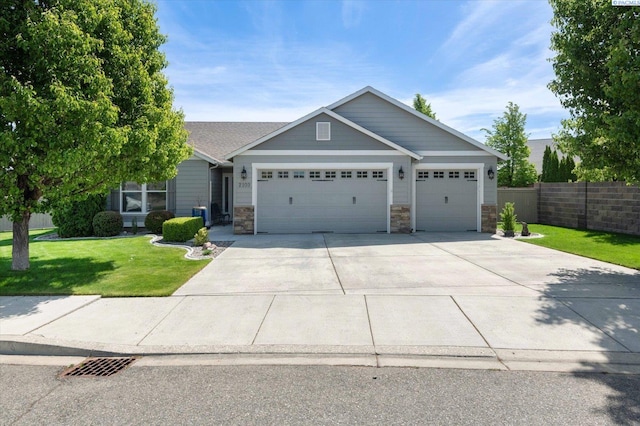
(597, 67)
(508, 136)
(420, 104)
(84, 105)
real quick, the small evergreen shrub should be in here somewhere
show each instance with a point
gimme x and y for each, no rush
(508, 218)
(107, 224)
(181, 229)
(134, 225)
(154, 220)
(201, 237)
(75, 219)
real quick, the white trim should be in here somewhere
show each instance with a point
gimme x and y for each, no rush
(418, 114)
(319, 152)
(479, 167)
(201, 155)
(333, 115)
(255, 167)
(476, 153)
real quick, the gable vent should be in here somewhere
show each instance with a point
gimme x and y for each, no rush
(323, 131)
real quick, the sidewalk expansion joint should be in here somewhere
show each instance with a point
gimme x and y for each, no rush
(264, 318)
(161, 320)
(335, 271)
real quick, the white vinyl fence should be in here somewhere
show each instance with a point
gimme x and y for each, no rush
(38, 221)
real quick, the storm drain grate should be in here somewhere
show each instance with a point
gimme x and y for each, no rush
(99, 367)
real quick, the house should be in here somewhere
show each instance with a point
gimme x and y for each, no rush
(367, 163)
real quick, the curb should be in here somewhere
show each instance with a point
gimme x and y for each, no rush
(38, 351)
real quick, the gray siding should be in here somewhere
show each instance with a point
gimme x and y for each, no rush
(303, 137)
(192, 185)
(401, 188)
(401, 127)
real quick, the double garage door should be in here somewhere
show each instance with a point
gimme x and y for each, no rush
(446, 200)
(304, 200)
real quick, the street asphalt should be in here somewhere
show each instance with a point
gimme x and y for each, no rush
(463, 300)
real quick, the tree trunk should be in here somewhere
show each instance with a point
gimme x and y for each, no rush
(20, 252)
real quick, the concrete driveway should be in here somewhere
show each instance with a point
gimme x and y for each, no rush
(453, 264)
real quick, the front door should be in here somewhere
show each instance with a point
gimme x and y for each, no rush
(227, 193)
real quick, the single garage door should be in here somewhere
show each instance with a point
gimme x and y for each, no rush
(446, 200)
(301, 201)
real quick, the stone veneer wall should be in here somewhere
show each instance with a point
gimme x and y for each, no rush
(400, 219)
(489, 218)
(243, 220)
(600, 206)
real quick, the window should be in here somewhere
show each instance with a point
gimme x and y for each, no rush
(143, 198)
(330, 175)
(298, 174)
(423, 174)
(283, 174)
(469, 175)
(454, 175)
(438, 175)
(362, 174)
(346, 174)
(377, 174)
(323, 131)
(314, 175)
(266, 174)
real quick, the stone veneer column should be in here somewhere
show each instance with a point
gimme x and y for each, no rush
(400, 219)
(489, 218)
(243, 220)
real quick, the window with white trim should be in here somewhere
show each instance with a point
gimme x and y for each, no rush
(298, 174)
(283, 174)
(323, 131)
(346, 174)
(266, 174)
(377, 174)
(469, 175)
(143, 198)
(330, 174)
(438, 175)
(423, 174)
(454, 175)
(362, 174)
(314, 174)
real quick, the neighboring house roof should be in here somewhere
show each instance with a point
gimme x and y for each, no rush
(213, 140)
(334, 116)
(537, 147)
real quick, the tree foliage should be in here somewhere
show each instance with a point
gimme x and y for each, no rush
(508, 136)
(420, 104)
(555, 169)
(597, 67)
(83, 105)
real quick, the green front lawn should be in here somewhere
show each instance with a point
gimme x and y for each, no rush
(109, 267)
(606, 246)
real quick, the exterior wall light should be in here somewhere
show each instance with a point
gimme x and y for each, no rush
(401, 173)
(243, 173)
(491, 173)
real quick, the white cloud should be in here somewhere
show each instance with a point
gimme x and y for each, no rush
(352, 11)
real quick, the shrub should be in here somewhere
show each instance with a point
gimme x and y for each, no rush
(201, 237)
(154, 220)
(181, 229)
(508, 218)
(107, 224)
(75, 219)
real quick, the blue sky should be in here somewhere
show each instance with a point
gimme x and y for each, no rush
(280, 60)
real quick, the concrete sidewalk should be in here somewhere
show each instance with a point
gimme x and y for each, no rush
(441, 301)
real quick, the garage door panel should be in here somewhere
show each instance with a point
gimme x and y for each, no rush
(322, 205)
(446, 203)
